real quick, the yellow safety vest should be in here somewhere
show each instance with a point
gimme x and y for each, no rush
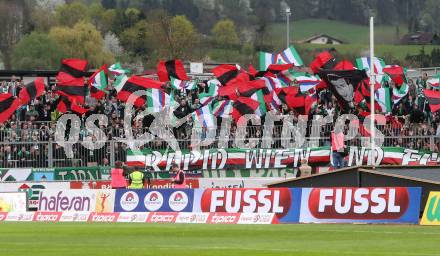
(137, 180)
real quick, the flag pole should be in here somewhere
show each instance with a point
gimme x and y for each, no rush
(372, 85)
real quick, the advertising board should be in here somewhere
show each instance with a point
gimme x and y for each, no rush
(155, 184)
(431, 214)
(93, 200)
(32, 189)
(78, 174)
(74, 216)
(103, 217)
(360, 205)
(20, 216)
(13, 202)
(236, 182)
(284, 202)
(47, 216)
(133, 217)
(149, 200)
(192, 217)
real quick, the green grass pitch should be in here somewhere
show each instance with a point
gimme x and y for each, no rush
(95, 239)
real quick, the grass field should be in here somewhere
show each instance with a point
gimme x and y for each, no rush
(350, 33)
(172, 239)
(355, 36)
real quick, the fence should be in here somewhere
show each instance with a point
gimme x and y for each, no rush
(50, 154)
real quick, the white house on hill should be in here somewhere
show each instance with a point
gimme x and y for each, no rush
(322, 39)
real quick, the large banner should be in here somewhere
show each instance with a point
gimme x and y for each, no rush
(150, 200)
(155, 184)
(360, 205)
(284, 202)
(86, 173)
(32, 189)
(237, 182)
(15, 174)
(260, 159)
(78, 200)
(13, 202)
(431, 214)
(218, 159)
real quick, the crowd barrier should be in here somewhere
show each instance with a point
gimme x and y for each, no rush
(103, 173)
(33, 188)
(48, 154)
(143, 217)
(289, 205)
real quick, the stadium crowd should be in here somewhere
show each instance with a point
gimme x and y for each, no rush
(25, 134)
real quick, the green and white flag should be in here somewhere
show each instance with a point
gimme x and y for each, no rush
(208, 97)
(99, 79)
(157, 100)
(203, 117)
(383, 98)
(183, 85)
(399, 93)
(290, 56)
(378, 64)
(117, 69)
(258, 96)
(434, 82)
(119, 82)
(266, 59)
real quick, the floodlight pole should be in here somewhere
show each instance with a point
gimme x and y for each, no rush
(288, 13)
(372, 85)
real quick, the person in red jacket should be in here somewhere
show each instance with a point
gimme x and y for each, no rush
(117, 175)
(179, 179)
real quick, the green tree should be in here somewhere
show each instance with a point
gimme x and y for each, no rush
(36, 51)
(225, 34)
(70, 14)
(431, 16)
(172, 37)
(136, 39)
(42, 19)
(13, 25)
(82, 41)
(100, 17)
(184, 37)
(124, 19)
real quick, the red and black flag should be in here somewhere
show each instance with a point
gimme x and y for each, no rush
(343, 83)
(67, 105)
(344, 65)
(70, 80)
(137, 83)
(252, 71)
(277, 68)
(363, 94)
(433, 98)
(245, 89)
(74, 67)
(243, 106)
(287, 94)
(274, 70)
(171, 68)
(31, 91)
(8, 105)
(324, 60)
(226, 74)
(396, 73)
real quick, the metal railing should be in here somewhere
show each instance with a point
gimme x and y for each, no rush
(49, 154)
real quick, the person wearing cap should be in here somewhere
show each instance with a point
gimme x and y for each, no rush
(179, 179)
